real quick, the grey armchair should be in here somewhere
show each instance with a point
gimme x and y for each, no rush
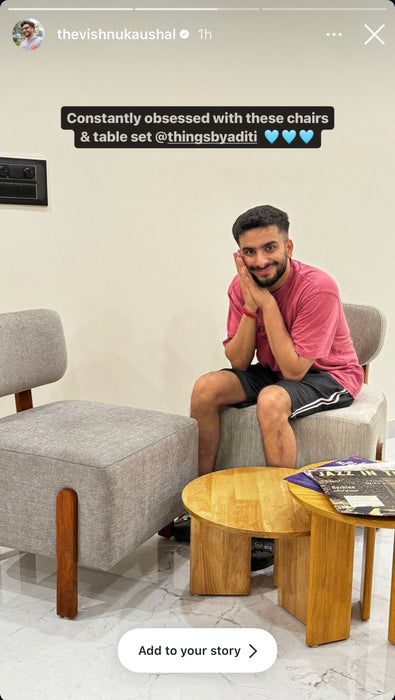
(358, 429)
(115, 472)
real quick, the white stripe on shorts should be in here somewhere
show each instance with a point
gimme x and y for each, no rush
(334, 398)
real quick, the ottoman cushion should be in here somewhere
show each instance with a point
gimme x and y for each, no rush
(127, 465)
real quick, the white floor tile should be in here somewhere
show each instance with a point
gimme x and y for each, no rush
(43, 657)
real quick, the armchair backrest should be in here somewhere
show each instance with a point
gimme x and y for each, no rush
(367, 326)
(32, 350)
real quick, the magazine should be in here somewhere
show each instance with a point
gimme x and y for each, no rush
(304, 478)
(364, 488)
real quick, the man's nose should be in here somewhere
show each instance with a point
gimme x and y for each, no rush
(262, 258)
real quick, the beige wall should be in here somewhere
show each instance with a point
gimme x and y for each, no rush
(135, 250)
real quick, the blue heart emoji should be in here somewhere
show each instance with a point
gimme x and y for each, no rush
(306, 136)
(289, 136)
(271, 136)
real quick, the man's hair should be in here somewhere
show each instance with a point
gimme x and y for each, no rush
(27, 21)
(263, 215)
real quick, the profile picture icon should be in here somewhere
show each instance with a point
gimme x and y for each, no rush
(28, 34)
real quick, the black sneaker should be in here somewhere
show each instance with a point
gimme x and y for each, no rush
(182, 527)
(262, 553)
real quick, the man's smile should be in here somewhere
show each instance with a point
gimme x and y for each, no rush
(263, 271)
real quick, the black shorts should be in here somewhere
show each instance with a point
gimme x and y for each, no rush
(317, 391)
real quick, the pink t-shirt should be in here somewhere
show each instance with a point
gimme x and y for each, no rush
(310, 305)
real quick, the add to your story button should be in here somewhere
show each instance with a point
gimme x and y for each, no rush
(201, 650)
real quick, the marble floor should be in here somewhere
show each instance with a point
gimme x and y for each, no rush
(45, 657)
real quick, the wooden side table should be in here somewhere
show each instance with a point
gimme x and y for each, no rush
(229, 507)
(331, 567)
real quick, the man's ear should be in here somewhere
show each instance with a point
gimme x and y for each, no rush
(289, 248)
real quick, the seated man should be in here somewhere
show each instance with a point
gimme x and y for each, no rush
(291, 315)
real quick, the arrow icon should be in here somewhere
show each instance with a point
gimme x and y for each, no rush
(254, 652)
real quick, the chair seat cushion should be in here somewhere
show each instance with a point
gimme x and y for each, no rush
(329, 435)
(127, 465)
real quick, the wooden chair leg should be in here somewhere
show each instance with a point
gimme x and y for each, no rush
(23, 400)
(167, 531)
(367, 571)
(379, 450)
(67, 553)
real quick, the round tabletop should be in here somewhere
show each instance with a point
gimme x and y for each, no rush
(317, 502)
(249, 500)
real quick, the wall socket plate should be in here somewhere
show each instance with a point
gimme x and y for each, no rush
(23, 181)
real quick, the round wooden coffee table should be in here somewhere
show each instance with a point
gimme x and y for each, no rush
(227, 508)
(314, 575)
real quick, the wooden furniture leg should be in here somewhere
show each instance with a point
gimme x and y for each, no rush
(367, 571)
(167, 531)
(330, 581)
(275, 564)
(391, 624)
(368, 558)
(220, 561)
(23, 400)
(293, 574)
(66, 553)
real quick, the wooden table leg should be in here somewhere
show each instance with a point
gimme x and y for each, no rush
(369, 536)
(330, 581)
(220, 561)
(391, 625)
(293, 555)
(275, 564)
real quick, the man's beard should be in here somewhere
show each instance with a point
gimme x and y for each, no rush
(280, 269)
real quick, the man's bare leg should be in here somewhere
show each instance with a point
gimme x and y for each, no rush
(273, 411)
(211, 392)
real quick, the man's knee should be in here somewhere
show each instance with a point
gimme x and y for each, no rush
(216, 389)
(206, 391)
(273, 405)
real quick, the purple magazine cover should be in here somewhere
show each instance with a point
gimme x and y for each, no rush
(302, 479)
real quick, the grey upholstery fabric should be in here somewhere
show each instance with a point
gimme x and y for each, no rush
(127, 465)
(367, 326)
(32, 350)
(324, 436)
(329, 435)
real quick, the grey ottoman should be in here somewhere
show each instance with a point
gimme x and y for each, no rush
(117, 472)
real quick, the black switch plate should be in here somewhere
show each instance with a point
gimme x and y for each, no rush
(23, 181)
